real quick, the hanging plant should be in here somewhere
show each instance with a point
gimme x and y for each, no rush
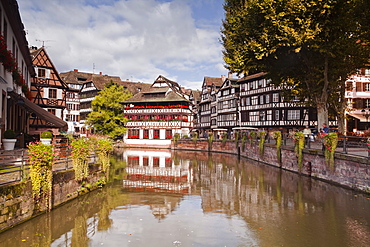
(80, 154)
(41, 159)
(210, 140)
(252, 136)
(195, 138)
(104, 147)
(236, 140)
(298, 138)
(244, 139)
(278, 139)
(176, 137)
(10, 65)
(330, 143)
(224, 139)
(262, 136)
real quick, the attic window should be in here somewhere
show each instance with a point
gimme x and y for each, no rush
(81, 79)
(41, 73)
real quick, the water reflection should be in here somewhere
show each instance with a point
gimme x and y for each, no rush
(195, 199)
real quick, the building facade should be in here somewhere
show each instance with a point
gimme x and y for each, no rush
(48, 91)
(15, 71)
(157, 114)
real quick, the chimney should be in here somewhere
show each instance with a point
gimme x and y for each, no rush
(75, 70)
(223, 78)
(100, 73)
(230, 75)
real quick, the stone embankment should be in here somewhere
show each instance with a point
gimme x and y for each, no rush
(17, 204)
(349, 170)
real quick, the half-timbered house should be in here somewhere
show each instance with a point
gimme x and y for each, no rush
(48, 91)
(157, 114)
(358, 100)
(15, 71)
(207, 107)
(228, 105)
(91, 85)
(262, 105)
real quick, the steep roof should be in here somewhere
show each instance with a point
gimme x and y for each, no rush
(165, 91)
(209, 81)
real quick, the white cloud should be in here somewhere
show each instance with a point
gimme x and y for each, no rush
(137, 39)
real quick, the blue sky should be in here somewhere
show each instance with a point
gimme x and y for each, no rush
(134, 39)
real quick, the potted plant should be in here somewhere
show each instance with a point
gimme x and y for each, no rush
(9, 139)
(46, 137)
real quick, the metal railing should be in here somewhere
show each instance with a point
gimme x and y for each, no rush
(14, 165)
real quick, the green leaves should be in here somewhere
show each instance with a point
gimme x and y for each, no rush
(106, 116)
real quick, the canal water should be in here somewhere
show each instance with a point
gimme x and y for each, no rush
(164, 198)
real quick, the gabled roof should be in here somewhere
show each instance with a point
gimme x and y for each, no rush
(171, 91)
(252, 77)
(39, 61)
(216, 81)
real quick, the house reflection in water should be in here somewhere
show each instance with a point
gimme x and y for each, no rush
(159, 172)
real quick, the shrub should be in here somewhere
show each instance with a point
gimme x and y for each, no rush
(46, 135)
(9, 134)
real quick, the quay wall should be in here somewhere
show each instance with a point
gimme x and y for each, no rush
(349, 171)
(17, 204)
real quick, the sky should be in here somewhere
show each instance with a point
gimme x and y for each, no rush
(136, 40)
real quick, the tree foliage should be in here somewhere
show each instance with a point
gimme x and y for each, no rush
(308, 45)
(106, 116)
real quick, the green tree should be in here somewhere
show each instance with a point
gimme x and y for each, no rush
(308, 46)
(106, 116)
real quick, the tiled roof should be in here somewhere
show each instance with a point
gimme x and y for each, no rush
(169, 97)
(217, 81)
(251, 77)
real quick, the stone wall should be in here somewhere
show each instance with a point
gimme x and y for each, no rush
(17, 204)
(349, 171)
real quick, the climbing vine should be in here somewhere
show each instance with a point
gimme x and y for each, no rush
(330, 143)
(262, 136)
(80, 154)
(278, 139)
(41, 159)
(298, 138)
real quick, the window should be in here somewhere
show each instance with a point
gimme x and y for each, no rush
(254, 116)
(261, 100)
(262, 116)
(156, 134)
(294, 114)
(41, 73)
(52, 111)
(267, 99)
(248, 101)
(146, 134)
(367, 72)
(52, 93)
(168, 134)
(275, 97)
(367, 103)
(255, 100)
(367, 87)
(277, 115)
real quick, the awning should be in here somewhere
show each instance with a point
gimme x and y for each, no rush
(360, 117)
(39, 111)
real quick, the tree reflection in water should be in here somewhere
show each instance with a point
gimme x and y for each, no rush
(192, 198)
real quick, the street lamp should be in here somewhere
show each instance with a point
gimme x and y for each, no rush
(366, 114)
